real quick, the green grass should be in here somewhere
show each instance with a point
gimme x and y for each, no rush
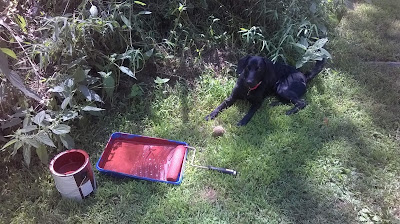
(336, 161)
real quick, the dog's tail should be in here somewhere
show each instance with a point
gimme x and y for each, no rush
(319, 65)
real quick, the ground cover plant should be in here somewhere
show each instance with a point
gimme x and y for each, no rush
(337, 161)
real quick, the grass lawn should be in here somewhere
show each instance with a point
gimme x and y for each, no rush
(336, 161)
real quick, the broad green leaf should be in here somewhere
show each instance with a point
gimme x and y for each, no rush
(136, 91)
(299, 64)
(27, 154)
(300, 46)
(65, 102)
(85, 91)
(16, 81)
(67, 141)
(9, 143)
(326, 53)
(104, 74)
(303, 41)
(109, 85)
(29, 128)
(42, 154)
(127, 71)
(9, 52)
(140, 3)
(38, 119)
(31, 141)
(17, 146)
(159, 80)
(69, 115)
(363, 219)
(90, 108)
(27, 121)
(148, 53)
(48, 118)
(76, 62)
(320, 43)
(90, 94)
(96, 96)
(126, 21)
(125, 55)
(56, 89)
(69, 82)
(44, 138)
(80, 74)
(111, 27)
(61, 129)
(376, 218)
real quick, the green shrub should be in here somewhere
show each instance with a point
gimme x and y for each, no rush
(80, 53)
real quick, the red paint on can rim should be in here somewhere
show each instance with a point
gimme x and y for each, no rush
(69, 162)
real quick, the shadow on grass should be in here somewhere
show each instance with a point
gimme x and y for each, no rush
(371, 33)
(278, 168)
(291, 169)
(280, 178)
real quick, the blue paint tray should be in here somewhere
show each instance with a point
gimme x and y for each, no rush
(145, 158)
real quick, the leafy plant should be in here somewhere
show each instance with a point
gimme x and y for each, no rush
(160, 81)
(277, 47)
(79, 55)
(314, 52)
(38, 131)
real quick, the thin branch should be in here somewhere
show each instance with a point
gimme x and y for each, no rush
(22, 47)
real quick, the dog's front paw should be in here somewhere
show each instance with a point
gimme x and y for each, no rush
(210, 116)
(292, 111)
(275, 103)
(243, 122)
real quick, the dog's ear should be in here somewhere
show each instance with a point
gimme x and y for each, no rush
(242, 64)
(269, 68)
(267, 61)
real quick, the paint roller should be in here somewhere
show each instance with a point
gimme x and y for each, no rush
(176, 163)
(177, 160)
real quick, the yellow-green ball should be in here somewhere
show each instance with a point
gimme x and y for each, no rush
(218, 131)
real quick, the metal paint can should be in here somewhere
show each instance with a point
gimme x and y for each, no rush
(73, 174)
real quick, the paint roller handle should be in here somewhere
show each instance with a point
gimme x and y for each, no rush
(223, 170)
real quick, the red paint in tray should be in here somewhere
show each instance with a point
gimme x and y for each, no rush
(143, 157)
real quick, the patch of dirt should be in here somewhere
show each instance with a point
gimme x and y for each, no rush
(209, 194)
(188, 67)
(219, 59)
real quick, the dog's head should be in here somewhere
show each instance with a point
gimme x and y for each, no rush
(252, 69)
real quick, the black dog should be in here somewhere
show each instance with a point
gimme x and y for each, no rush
(259, 77)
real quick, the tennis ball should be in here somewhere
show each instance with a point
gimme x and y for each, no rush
(218, 131)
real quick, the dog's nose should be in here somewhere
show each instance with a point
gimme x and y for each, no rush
(249, 83)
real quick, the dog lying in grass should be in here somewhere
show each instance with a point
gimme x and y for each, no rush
(259, 77)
